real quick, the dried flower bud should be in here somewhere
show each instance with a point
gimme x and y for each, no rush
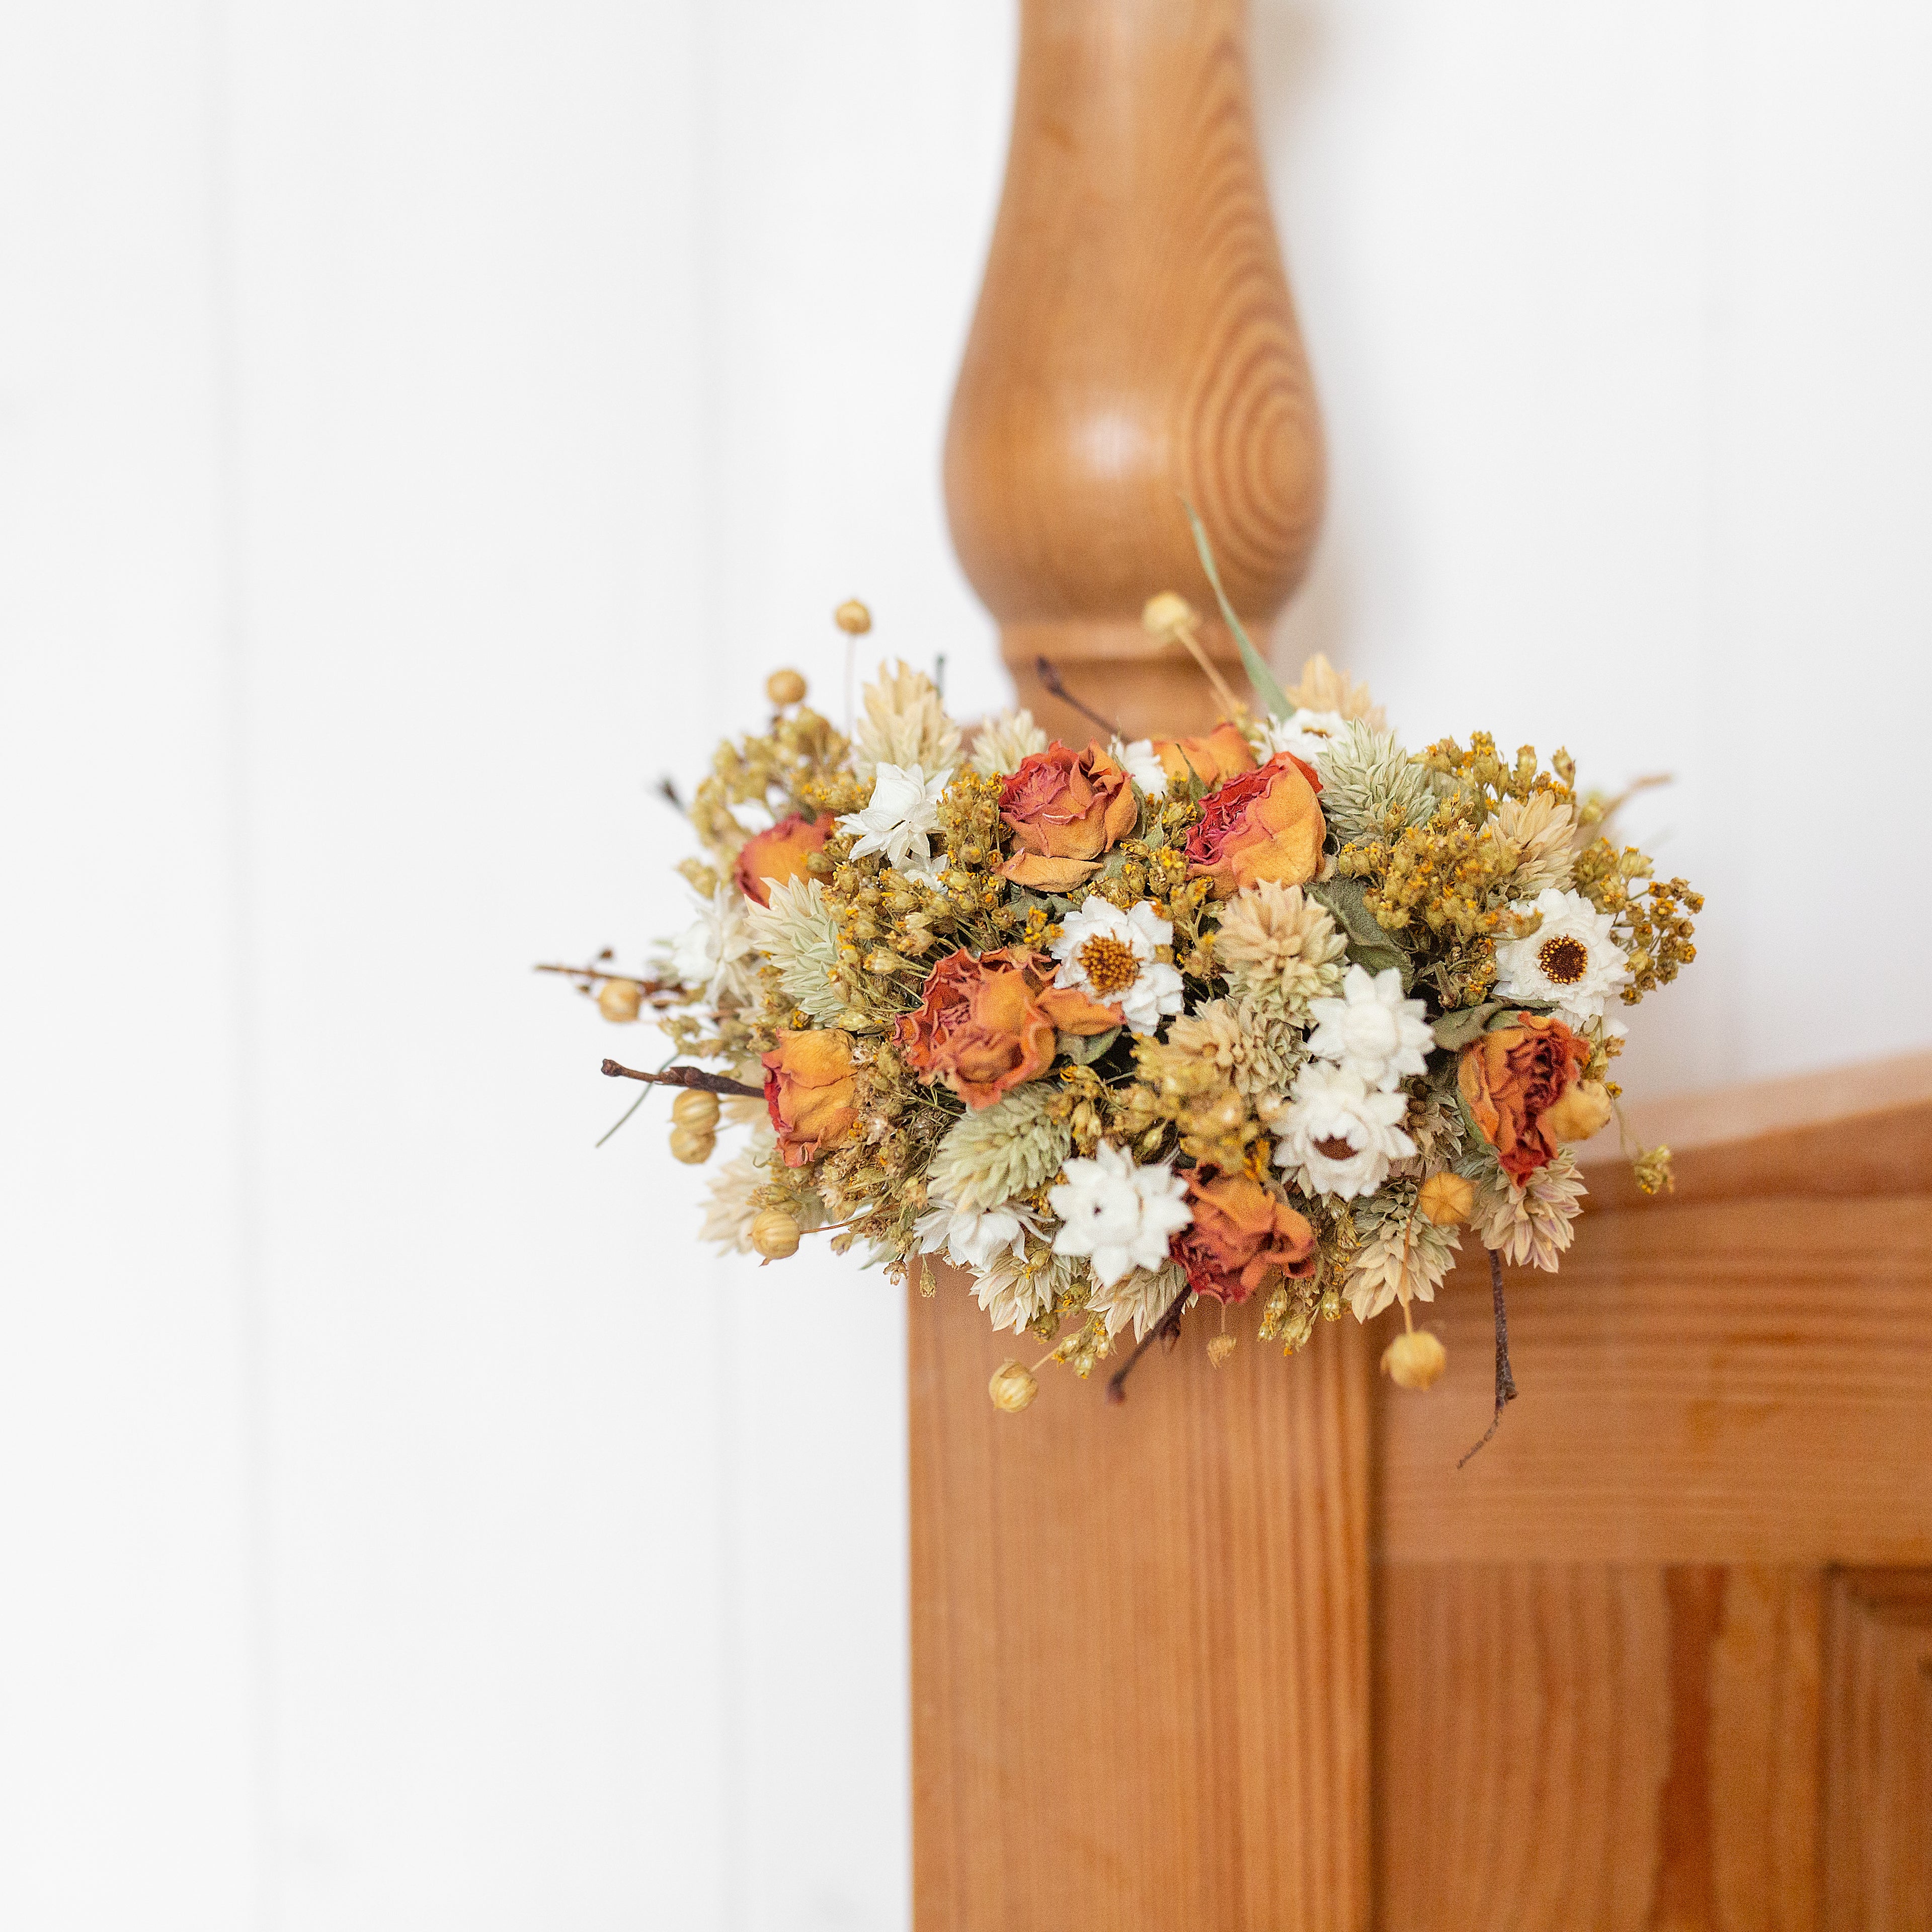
(1584, 1110)
(1414, 1360)
(692, 1145)
(1168, 615)
(853, 618)
(618, 999)
(775, 1234)
(695, 1107)
(1012, 1387)
(1447, 1199)
(1220, 1348)
(784, 687)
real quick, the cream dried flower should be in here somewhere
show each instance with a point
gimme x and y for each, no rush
(1280, 948)
(730, 1203)
(1017, 1290)
(1001, 743)
(1141, 1297)
(1403, 1257)
(1530, 1225)
(903, 723)
(991, 1154)
(1323, 687)
(1254, 1046)
(717, 954)
(798, 932)
(1542, 829)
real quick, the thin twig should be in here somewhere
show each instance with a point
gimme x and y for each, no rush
(685, 1076)
(1231, 706)
(649, 988)
(666, 790)
(1505, 1381)
(1167, 1328)
(1045, 669)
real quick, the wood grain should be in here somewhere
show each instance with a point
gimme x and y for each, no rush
(1728, 1381)
(1140, 1639)
(1878, 1751)
(1135, 342)
(1597, 1748)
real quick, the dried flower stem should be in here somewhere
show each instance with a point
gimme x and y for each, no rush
(649, 988)
(1167, 1329)
(1505, 1381)
(1048, 673)
(685, 1076)
(1188, 634)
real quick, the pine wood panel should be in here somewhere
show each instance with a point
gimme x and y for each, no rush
(1731, 1381)
(1597, 1748)
(1878, 1751)
(1135, 342)
(1140, 1639)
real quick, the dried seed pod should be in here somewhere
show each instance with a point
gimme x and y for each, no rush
(695, 1107)
(1447, 1199)
(1414, 1360)
(1220, 1348)
(853, 618)
(1012, 1387)
(775, 1234)
(692, 1145)
(1168, 615)
(784, 687)
(618, 999)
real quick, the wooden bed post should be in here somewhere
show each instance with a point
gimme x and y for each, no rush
(1140, 1632)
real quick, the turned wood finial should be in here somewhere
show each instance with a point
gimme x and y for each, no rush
(1134, 344)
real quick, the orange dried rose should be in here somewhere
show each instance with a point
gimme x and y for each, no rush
(772, 858)
(1241, 1234)
(1065, 809)
(810, 1092)
(1265, 824)
(1514, 1080)
(1212, 761)
(989, 1024)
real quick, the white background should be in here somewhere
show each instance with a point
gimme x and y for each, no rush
(421, 426)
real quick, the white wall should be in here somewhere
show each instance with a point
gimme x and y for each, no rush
(421, 426)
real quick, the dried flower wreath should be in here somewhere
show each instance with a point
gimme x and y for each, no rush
(1275, 1011)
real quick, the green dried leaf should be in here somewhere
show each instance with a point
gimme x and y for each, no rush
(1455, 1030)
(1083, 1052)
(1368, 946)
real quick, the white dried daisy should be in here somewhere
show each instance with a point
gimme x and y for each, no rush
(975, 1238)
(798, 932)
(1108, 955)
(1528, 1224)
(1002, 743)
(1338, 1136)
(1117, 1212)
(718, 953)
(1372, 1030)
(1305, 735)
(1135, 757)
(1279, 947)
(1141, 1296)
(902, 722)
(1570, 961)
(898, 823)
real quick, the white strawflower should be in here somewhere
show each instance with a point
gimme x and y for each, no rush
(901, 819)
(1570, 961)
(1136, 758)
(1302, 734)
(1372, 1030)
(975, 1238)
(718, 952)
(1002, 744)
(1338, 1136)
(1108, 955)
(1141, 1296)
(798, 932)
(1118, 1212)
